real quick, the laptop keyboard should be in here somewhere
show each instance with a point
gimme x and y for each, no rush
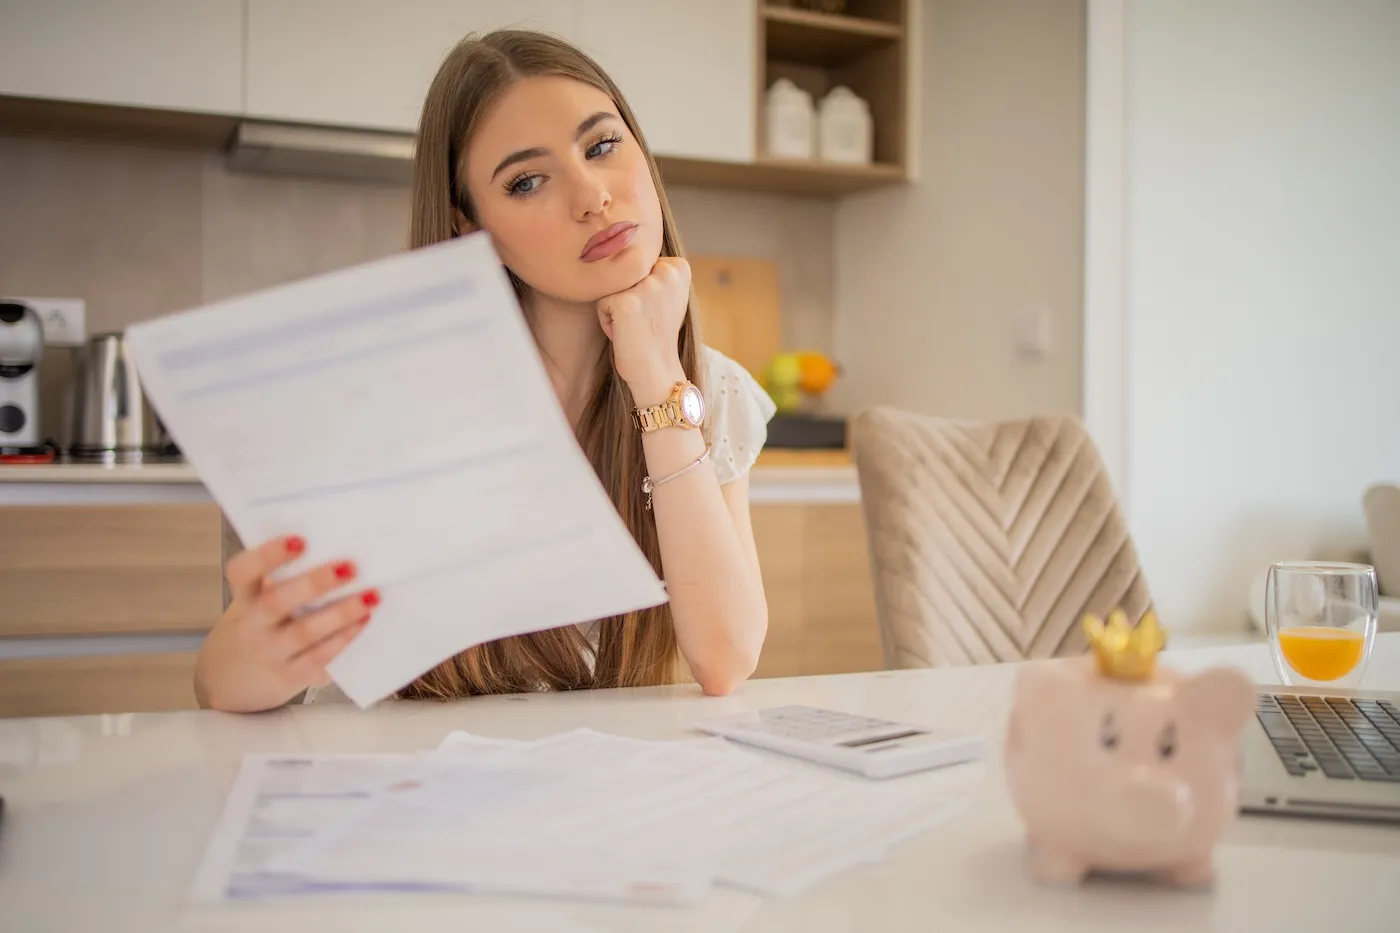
(1341, 737)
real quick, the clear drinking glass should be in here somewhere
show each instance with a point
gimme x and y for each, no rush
(1321, 618)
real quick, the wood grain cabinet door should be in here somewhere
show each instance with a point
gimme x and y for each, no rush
(84, 592)
(106, 569)
(816, 574)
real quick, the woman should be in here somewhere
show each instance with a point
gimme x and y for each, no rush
(526, 138)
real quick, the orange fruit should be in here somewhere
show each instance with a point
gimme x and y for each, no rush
(818, 372)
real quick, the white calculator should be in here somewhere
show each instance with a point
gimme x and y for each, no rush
(876, 748)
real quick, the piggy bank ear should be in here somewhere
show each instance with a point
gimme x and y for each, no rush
(1222, 697)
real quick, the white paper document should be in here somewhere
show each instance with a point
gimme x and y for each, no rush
(594, 816)
(277, 803)
(397, 414)
(281, 803)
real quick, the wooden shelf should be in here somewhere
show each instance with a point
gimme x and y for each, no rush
(823, 39)
(779, 176)
(866, 52)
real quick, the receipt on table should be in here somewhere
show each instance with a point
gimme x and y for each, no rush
(397, 414)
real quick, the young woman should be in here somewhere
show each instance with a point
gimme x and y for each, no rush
(526, 138)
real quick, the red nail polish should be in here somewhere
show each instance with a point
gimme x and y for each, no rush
(344, 570)
(296, 544)
(370, 599)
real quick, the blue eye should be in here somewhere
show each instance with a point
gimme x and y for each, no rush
(524, 184)
(602, 147)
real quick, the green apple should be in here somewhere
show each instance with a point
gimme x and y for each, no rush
(784, 371)
(788, 399)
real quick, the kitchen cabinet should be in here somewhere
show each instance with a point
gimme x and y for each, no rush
(158, 54)
(84, 570)
(687, 69)
(816, 575)
(87, 684)
(114, 597)
(185, 71)
(367, 63)
(107, 595)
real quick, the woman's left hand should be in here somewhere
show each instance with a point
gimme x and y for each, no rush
(644, 325)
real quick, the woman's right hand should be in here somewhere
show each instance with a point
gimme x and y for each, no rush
(267, 648)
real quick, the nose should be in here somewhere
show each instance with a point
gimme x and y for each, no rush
(1149, 807)
(589, 193)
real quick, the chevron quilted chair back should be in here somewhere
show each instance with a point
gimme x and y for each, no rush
(989, 541)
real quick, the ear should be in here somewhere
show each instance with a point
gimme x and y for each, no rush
(1222, 697)
(460, 224)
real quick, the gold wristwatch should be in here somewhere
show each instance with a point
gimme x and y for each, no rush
(683, 408)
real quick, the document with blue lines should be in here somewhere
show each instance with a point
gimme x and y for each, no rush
(397, 414)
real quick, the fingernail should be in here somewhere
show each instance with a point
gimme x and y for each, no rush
(344, 570)
(296, 544)
(370, 598)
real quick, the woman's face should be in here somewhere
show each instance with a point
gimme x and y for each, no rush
(564, 190)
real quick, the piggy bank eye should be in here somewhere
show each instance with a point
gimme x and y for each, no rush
(1108, 733)
(1166, 742)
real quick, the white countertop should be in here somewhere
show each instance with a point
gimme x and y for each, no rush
(59, 483)
(98, 473)
(109, 815)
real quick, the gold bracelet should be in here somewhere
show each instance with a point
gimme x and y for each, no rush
(648, 484)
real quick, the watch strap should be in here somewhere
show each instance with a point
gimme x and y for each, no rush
(655, 417)
(667, 414)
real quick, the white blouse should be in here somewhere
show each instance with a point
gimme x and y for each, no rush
(736, 425)
(735, 428)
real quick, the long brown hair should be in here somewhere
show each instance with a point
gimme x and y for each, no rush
(635, 649)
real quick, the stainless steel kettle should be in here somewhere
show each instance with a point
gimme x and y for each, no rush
(113, 422)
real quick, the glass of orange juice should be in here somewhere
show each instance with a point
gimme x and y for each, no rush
(1321, 618)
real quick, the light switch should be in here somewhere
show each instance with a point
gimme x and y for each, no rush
(1034, 337)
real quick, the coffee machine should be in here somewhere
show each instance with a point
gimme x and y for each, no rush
(21, 348)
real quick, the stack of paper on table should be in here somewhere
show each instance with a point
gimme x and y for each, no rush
(581, 814)
(397, 414)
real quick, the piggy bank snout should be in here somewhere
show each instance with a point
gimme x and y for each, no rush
(1149, 806)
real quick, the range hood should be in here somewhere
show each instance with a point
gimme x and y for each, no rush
(321, 152)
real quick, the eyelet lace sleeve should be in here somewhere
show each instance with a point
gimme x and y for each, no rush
(736, 426)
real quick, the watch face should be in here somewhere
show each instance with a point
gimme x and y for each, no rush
(693, 406)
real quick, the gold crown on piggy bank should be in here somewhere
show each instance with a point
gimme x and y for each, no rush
(1125, 651)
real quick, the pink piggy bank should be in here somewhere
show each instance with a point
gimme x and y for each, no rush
(1117, 766)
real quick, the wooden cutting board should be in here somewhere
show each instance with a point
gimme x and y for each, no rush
(739, 307)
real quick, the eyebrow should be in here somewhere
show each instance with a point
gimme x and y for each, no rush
(524, 155)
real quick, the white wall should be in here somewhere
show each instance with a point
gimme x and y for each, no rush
(933, 279)
(1262, 286)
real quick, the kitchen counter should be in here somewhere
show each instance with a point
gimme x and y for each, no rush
(788, 477)
(100, 484)
(115, 571)
(98, 473)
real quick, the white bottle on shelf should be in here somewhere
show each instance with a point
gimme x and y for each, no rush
(791, 122)
(845, 129)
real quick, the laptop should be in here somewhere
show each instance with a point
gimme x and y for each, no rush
(1327, 753)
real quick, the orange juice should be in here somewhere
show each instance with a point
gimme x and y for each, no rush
(1321, 653)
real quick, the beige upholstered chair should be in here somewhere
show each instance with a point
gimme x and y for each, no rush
(989, 541)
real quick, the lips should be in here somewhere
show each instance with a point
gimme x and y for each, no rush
(609, 242)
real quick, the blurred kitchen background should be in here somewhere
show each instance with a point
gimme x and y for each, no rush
(1178, 221)
(139, 229)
